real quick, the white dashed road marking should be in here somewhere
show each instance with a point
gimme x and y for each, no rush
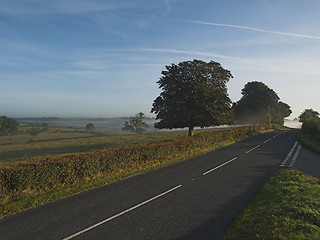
(119, 214)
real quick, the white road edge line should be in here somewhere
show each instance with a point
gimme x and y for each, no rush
(253, 148)
(219, 166)
(295, 157)
(121, 213)
(289, 154)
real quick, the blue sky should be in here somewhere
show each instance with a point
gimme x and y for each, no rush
(78, 58)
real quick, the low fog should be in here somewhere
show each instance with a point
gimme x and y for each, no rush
(292, 123)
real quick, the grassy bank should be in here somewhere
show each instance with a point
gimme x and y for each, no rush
(309, 142)
(287, 207)
(35, 183)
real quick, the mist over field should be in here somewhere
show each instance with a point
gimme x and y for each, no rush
(111, 123)
(292, 123)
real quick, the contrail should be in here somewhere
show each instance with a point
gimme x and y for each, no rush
(256, 29)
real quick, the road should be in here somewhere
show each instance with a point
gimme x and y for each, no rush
(194, 199)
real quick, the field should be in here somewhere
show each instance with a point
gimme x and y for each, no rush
(21, 148)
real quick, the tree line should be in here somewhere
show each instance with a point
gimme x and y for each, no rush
(194, 94)
(310, 123)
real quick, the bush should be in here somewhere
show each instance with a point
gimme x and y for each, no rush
(311, 127)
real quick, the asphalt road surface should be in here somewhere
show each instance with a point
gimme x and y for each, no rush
(194, 199)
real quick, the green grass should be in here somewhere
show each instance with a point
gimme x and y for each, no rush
(311, 143)
(287, 207)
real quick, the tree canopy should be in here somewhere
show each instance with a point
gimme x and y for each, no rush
(90, 127)
(8, 125)
(194, 94)
(35, 130)
(308, 113)
(311, 123)
(260, 104)
(136, 124)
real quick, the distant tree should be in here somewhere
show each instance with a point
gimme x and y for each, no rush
(194, 94)
(308, 113)
(45, 127)
(34, 131)
(8, 125)
(260, 104)
(90, 127)
(37, 129)
(136, 124)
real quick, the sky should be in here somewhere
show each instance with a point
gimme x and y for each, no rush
(103, 58)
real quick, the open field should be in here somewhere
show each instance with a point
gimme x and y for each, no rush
(287, 207)
(20, 148)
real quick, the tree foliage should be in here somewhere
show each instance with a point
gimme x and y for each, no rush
(194, 94)
(90, 127)
(260, 104)
(8, 125)
(136, 124)
(308, 113)
(37, 129)
(311, 123)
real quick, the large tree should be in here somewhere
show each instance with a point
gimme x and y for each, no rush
(260, 104)
(194, 94)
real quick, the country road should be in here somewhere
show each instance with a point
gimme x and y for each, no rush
(194, 199)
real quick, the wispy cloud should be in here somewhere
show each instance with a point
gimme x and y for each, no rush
(255, 29)
(61, 6)
(177, 51)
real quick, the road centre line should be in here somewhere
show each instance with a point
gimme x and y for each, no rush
(267, 140)
(155, 197)
(253, 148)
(121, 213)
(211, 170)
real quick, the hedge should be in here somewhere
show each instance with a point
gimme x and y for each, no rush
(69, 169)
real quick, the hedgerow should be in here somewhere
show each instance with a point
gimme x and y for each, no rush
(69, 169)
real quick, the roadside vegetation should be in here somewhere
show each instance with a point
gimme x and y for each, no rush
(38, 182)
(309, 135)
(287, 207)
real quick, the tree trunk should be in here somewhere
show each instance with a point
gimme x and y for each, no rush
(190, 131)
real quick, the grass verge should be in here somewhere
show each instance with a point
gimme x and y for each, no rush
(309, 142)
(287, 207)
